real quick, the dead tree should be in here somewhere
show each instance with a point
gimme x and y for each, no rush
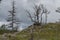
(12, 17)
(44, 11)
(34, 19)
(39, 10)
(46, 15)
(36, 13)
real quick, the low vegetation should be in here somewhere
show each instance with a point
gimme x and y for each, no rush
(49, 31)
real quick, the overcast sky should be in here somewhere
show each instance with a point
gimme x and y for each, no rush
(21, 5)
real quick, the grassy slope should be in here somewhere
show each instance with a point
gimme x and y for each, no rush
(48, 32)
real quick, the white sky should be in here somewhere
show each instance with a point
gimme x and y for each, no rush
(51, 5)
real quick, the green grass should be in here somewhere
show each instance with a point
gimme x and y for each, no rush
(49, 31)
(6, 31)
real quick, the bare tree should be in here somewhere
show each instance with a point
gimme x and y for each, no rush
(12, 17)
(39, 10)
(36, 13)
(44, 11)
(34, 19)
(46, 15)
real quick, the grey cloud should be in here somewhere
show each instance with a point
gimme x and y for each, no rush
(27, 4)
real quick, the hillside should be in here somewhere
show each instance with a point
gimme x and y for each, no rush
(50, 31)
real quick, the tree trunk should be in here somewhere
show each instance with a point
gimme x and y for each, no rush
(46, 18)
(31, 32)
